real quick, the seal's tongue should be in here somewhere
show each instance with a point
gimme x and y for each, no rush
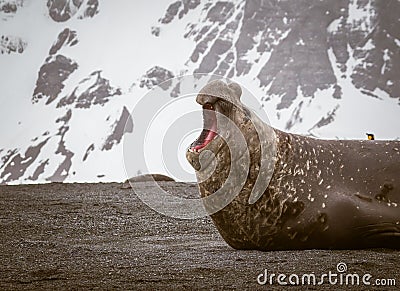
(209, 129)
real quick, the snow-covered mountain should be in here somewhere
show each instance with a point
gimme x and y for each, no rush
(71, 72)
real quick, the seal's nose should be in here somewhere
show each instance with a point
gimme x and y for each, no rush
(203, 99)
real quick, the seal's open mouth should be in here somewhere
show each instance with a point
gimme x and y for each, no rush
(209, 129)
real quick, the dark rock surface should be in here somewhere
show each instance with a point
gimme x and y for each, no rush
(10, 7)
(12, 44)
(123, 125)
(52, 76)
(19, 163)
(299, 35)
(90, 9)
(180, 9)
(98, 236)
(56, 69)
(172, 11)
(63, 10)
(95, 90)
(157, 76)
(63, 169)
(327, 119)
(187, 6)
(39, 170)
(383, 57)
(6, 158)
(66, 38)
(88, 151)
(155, 30)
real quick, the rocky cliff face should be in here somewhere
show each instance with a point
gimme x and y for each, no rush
(314, 65)
(63, 10)
(8, 8)
(291, 40)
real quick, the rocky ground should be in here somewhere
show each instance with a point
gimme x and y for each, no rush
(101, 236)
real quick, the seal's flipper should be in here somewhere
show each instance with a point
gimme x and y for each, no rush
(380, 229)
(385, 234)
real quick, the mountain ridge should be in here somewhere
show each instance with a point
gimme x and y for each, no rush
(318, 68)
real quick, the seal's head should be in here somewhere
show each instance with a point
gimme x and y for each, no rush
(223, 117)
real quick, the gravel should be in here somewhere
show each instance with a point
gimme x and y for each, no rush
(101, 236)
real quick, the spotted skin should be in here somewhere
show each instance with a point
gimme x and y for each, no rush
(325, 194)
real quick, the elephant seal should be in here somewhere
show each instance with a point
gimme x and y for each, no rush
(323, 194)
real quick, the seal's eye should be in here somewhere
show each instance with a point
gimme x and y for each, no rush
(208, 106)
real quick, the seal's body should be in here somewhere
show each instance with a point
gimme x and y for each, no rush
(326, 194)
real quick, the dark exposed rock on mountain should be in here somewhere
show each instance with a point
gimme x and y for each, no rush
(221, 11)
(39, 170)
(176, 90)
(56, 69)
(155, 30)
(15, 167)
(204, 43)
(63, 10)
(383, 57)
(66, 117)
(89, 9)
(156, 76)
(94, 90)
(7, 157)
(302, 60)
(295, 28)
(186, 6)
(295, 118)
(291, 54)
(66, 38)
(8, 8)
(63, 169)
(374, 37)
(180, 9)
(219, 39)
(327, 119)
(88, 151)
(288, 43)
(12, 44)
(51, 78)
(171, 12)
(121, 126)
